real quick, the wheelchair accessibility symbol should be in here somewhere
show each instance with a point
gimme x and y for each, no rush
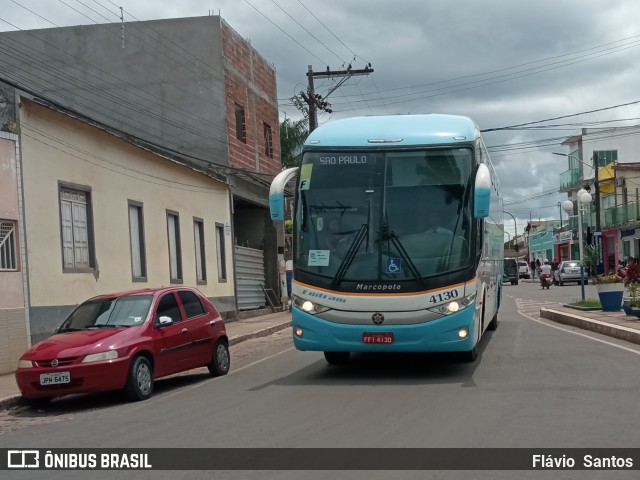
(394, 265)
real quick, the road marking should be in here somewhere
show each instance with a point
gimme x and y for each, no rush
(537, 320)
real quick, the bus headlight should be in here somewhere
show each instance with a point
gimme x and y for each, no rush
(454, 305)
(308, 306)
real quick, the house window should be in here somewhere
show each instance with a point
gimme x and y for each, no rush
(241, 131)
(198, 236)
(574, 160)
(77, 229)
(268, 141)
(8, 252)
(175, 250)
(604, 157)
(220, 253)
(136, 238)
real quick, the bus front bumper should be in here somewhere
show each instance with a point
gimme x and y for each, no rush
(441, 335)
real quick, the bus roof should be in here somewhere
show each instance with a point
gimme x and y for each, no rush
(398, 130)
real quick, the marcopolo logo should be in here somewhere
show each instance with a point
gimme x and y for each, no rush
(23, 459)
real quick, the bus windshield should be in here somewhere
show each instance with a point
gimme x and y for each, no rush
(384, 215)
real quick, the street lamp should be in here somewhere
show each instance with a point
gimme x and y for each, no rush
(584, 198)
(596, 181)
(515, 228)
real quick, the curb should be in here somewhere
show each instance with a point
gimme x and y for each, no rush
(260, 333)
(617, 331)
(7, 403)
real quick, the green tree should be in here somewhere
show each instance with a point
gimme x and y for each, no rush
(293, 133)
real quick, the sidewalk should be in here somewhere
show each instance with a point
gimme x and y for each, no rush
(238, 331)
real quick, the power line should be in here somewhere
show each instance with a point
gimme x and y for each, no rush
(487, 82)
(311, 34)
(462, 77)
(334, 35)
(558, 118)
(36, 14)
(279, 28)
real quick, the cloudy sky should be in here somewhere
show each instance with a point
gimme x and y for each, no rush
(501, 62)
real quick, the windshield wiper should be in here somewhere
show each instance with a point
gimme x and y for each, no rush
(104, 325)
(404, 255)
(351, 254)
(69, 329)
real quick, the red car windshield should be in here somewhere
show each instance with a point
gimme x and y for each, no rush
(109, 313)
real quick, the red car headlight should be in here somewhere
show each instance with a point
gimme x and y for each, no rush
(102, 356)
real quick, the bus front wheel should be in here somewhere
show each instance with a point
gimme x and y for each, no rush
(470, 355)
(493, 324)
(337, 358)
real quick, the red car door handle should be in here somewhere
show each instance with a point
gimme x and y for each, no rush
(212, 322)
(184, 330)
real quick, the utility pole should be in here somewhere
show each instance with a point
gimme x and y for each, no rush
(311, 100)
(314, 101)
(597, 185)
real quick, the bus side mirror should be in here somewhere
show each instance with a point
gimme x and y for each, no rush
(482, 192)
(276, 193)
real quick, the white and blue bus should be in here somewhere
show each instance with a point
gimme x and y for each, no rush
(371, 270)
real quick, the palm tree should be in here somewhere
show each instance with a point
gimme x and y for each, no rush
(591, 256)
(293, 133)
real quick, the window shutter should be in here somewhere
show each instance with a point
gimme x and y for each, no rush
(134, 227)
(67, 234)
(80, 235)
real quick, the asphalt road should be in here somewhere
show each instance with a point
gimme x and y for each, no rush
(536, 384)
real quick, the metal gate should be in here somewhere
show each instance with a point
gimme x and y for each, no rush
(249, 276)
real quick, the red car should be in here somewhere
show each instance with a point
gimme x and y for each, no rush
(125, 341)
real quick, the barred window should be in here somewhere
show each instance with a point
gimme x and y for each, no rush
(268, 141)
(241, 130)
(8, 252)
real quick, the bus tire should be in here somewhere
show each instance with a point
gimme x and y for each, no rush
(336, 358)
(493, 324)
(470, 355)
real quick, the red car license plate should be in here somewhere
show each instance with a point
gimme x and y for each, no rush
(381, 338)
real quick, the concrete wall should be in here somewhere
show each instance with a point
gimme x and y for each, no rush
(166, 86)
(56, 149)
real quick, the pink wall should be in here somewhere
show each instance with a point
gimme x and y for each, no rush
(11, 292)
(8, 184)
